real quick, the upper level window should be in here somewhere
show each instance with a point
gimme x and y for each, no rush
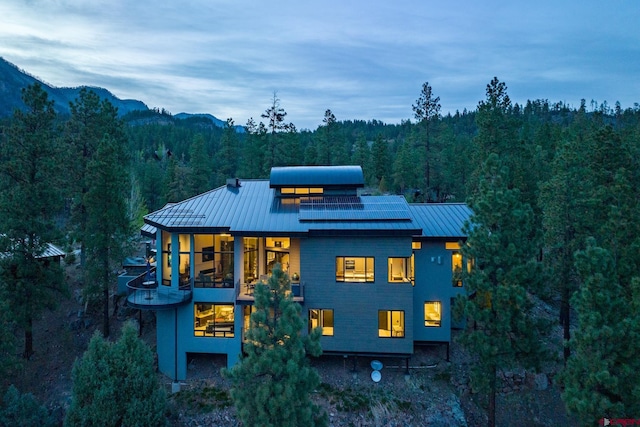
(300, 191)
(213, 261)
(277, 252)
(400, 270)
(354, 269)
(322, 318)
(456, 268)
(391, 323)
(416, 245)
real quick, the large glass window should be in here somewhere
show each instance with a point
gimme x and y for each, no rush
(277, 252)
(322, 318)
(250, 259)
(213, 261)
(400, 270)
(354, 269)
(213, 320)
(432, 313)
(391, 323)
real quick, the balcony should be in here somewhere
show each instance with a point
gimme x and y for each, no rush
(146, 295)
(244, 292)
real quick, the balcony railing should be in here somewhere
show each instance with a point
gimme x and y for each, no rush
(244, 291)
(145, 294)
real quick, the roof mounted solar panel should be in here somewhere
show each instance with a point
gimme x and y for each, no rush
(369, 208)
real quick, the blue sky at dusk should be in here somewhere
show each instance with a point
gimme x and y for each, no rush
(361, 59)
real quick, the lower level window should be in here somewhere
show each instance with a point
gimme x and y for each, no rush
(432, 313)
(322, 318)
(213, 320)
(391, 323)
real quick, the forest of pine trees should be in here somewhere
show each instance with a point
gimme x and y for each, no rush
(573, 169)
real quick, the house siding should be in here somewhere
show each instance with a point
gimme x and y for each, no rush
(356, 305)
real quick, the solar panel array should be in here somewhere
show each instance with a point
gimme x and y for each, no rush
(353, 208)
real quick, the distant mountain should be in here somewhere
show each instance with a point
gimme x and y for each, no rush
(13, 79)
(216, 121)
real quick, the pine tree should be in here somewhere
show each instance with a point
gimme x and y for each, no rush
(271, 384)
(30, 169)
(427, 112)
(90, 120)
(18, 409)
(114, 384)
(501, 332)
(107, 218)
(602, 377)
(380, 159)
(228, 156)
(200, 171)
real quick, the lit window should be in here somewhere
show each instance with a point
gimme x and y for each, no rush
(416, 245)
(354, 269)
(287, 191)
(391, 324)
(321, 318)
(456, 268)
(432, 313)
(400, 270)
(213, 320)
(453, 246)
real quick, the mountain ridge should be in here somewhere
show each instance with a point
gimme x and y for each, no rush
(13, 79)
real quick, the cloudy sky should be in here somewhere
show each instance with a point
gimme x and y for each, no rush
(361, 59)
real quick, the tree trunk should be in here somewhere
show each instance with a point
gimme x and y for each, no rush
(105, 302)
(566, 323)
(28, 339)
(492, 399)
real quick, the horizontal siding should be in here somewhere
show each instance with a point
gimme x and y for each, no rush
(356, 305)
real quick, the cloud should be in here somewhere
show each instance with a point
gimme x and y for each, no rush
(363, 60)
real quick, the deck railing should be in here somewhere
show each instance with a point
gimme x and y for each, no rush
(145, 294)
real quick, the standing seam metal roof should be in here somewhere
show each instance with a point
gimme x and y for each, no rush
(253, 208)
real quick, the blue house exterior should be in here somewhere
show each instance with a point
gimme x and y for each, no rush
(374, 272)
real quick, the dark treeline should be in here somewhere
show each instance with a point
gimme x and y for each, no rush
(569, 174)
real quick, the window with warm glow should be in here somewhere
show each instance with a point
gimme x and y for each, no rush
(354, 269)
(456, 268)
(400, 270)
(432, 313)
(321, 318)
(391, 324)
(213, 320)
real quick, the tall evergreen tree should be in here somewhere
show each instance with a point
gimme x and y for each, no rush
(404, 171)
(201, 169)
(501, 332)
(381, 161)
(30, 182)
(90, 120)
(362, 155)
(602, 377)
(271, 384)
(228, 156)
(496, 132)
(275, 116)
(427, 112)
(107, 219)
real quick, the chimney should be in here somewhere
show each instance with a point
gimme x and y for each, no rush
(233, 182)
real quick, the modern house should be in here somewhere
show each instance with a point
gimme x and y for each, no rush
(374, 272)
